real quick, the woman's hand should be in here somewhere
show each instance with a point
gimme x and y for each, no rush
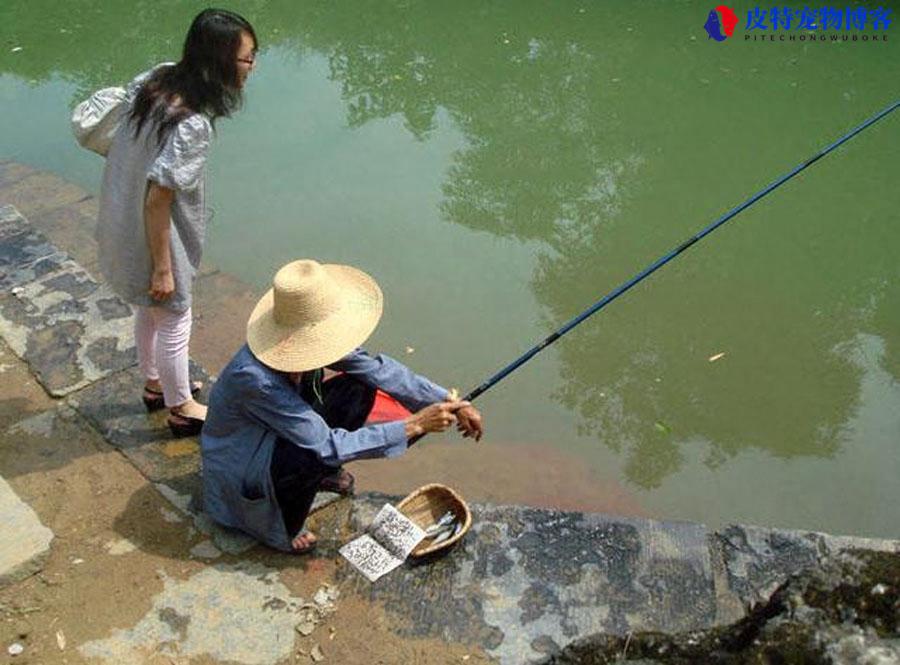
(436, 417)
(162, 284)
(157, 226)
(469, 422)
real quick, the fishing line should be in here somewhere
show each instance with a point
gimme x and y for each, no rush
(660, 262)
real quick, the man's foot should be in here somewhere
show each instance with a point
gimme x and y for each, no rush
(341, 482)
(304, 542)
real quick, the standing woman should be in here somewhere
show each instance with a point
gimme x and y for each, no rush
(152, 210)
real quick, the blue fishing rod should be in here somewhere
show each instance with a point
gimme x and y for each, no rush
(663, 260)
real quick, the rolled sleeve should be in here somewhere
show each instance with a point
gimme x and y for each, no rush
(282, 411)
(410, 389)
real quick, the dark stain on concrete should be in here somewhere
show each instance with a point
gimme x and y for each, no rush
(52, 353)
(766, 561)
(273, 603)
(536, 600)
(177, 622)
(545, 645)
(113, 308)
(76, 284)
(106, 354)
(687, 594)
(66, 308)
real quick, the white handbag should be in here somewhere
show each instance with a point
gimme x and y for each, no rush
(96, 119)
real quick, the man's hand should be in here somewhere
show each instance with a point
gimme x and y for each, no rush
(468, 421)
(436, 417)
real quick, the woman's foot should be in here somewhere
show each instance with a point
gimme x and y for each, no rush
(153, 386)
(304, 542)
(190, 409)
(187, 419)
(153, 395)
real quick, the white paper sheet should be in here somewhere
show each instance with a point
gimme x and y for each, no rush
(386, 544)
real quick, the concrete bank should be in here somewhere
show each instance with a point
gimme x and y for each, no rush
(522, 585)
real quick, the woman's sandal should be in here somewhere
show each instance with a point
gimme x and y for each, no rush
(183, 426)
(153, 399)
(308, 544)
(342, 482)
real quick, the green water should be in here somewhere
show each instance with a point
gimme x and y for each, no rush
(500, 166)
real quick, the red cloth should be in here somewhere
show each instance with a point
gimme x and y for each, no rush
(386, 409)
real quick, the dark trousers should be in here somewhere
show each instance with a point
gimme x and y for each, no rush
(297, 472)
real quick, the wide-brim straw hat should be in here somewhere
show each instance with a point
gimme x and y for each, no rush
(313, 315)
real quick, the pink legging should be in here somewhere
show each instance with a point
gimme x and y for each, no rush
(161, 336)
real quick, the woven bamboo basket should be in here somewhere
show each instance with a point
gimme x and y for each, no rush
(426, 505)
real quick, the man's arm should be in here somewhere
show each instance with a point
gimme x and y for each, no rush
(415, 392)
(279, 409)
(410, 389)
(158, 230)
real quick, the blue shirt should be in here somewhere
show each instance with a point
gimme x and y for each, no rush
(251, 405)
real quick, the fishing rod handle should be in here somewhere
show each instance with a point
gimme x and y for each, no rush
(466, 398)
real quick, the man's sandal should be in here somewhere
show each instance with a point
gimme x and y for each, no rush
(153, 399)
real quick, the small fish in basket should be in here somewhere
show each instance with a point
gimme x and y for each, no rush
(441, 513)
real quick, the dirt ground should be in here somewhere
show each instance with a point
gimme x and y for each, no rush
(116, 542)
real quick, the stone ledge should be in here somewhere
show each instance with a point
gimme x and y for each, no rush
(26, 542)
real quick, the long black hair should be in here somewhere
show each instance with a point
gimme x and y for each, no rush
(204, 81)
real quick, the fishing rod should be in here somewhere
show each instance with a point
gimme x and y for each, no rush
(660, 262)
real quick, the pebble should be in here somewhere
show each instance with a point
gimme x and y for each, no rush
(205, 550)
(15, 649)
(316, 654)
(305, 628)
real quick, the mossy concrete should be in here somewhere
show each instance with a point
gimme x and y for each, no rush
(843, 611)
